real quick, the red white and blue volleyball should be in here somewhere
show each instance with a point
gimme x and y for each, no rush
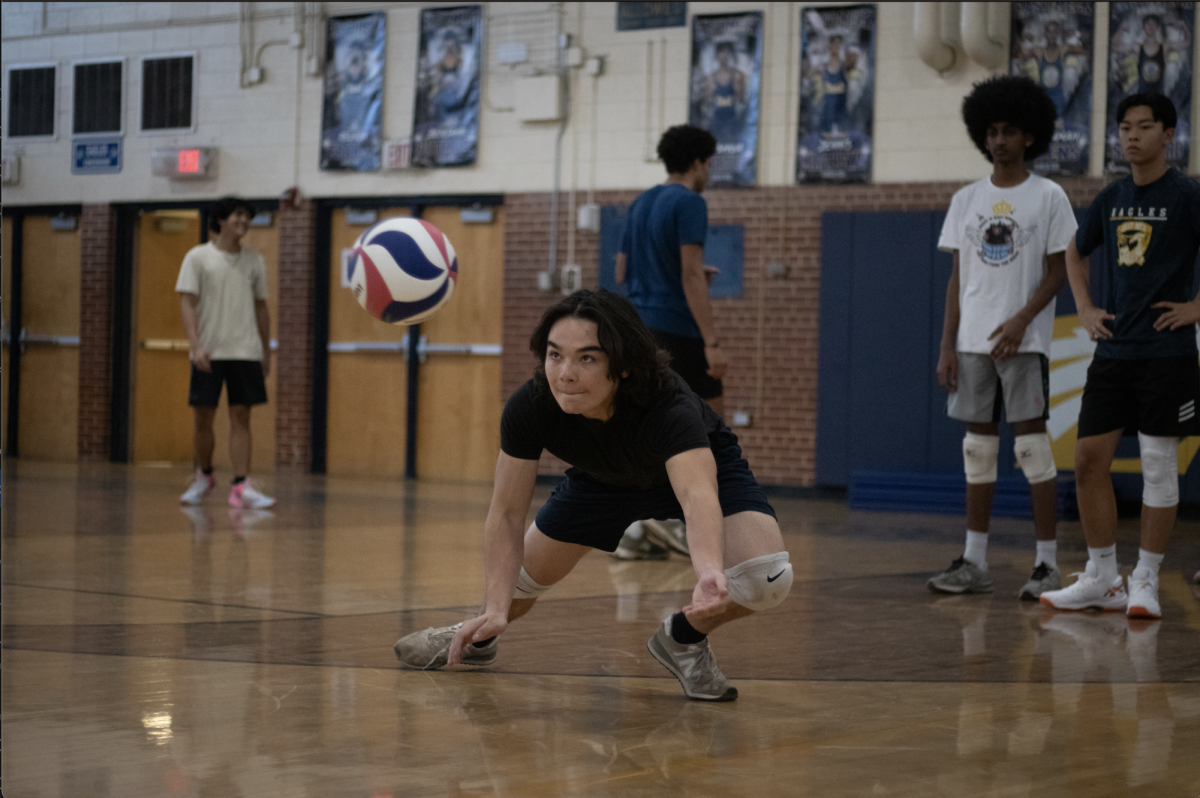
(402, 271)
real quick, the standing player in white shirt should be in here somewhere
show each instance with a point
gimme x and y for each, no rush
(1008, 234)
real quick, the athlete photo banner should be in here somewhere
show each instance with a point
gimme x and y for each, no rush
(837, 95)
(1052, 44)
(446, 111)
(723, 97)
(1150, 52)
(351, 134)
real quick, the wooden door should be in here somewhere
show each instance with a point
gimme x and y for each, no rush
(6, 311)
(367, 393)
(48, 414)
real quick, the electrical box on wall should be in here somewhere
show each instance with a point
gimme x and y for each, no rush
(185, 163)
(10, 170)
(539, 99)
(588, 218)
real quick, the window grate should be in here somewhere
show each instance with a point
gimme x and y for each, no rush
(167, 93)
(31, 101)
(98, 97)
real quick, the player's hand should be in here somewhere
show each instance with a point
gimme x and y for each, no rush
(201, 360)
(1179, 314)
(710, 274)
(1008, 338)
(710, 597)
(1093, 319)
(947, 370)
(266, 364)
(475, 630)
(718, 363)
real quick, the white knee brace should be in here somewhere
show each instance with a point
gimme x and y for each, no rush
(979, 457)
(760, 583)
(527, 588)
(1036, 458)
(1160, 471)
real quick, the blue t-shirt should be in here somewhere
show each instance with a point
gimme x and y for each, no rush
(1150, 235)
(661, 221)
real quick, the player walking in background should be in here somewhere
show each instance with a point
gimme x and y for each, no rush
(1008, 234)
(662, 263)
(642, 445)
(223, 291)
(1144, 377)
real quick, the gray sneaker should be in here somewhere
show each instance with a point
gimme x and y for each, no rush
(694, 666)
(1043, 578)
(430, 649)
(639, 548)
(671, 534)
(963, 576)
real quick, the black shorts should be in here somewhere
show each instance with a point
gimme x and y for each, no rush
(586, 511)
(244, 377)
(1155, 396)
(689, 362)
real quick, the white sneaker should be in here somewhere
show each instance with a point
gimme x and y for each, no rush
(247, 496)
(201, 486)
(1143, 595)
(1089, 592)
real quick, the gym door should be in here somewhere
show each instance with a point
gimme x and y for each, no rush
(162, 420)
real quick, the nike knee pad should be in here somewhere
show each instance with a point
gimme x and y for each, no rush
(979, 457)
(527, 588)
(1160, 471)
(760, 583)
(1036, 458)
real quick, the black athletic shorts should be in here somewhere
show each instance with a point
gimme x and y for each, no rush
(1155, 396)
(689, 362)
(244, 377)
(586, 511)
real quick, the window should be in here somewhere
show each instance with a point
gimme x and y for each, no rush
(98, 89)
(31, 100)
(167, 100)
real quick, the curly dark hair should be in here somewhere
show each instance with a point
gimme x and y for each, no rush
(225, 207)
(1016, 100)
(683, 145)
(635, 362)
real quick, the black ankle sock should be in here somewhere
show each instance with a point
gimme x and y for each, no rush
(483, 643)
(683, 632)
(238, 480)
(206, 472)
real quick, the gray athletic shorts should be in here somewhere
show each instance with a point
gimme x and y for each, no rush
(1022, 382)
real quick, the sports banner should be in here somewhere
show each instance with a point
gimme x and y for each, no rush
(837, 95)
(1150, 52)
(446, 112)
(351, 135)
(1052, 44)
(723, 97)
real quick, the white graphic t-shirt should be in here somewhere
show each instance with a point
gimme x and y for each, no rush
(1003, 236)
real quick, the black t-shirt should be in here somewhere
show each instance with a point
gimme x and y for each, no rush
(1150, 234)
(630, 450)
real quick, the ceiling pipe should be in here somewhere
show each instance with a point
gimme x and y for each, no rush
(980, 44)
(928, 27)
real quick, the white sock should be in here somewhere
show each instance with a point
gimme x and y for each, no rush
(1150, 561)
(1105, 560)
(976, 551)
(1047, 552)
(634, 531)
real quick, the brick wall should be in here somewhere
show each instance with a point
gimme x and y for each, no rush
(770, 333)
(98, 237)
(293, 360)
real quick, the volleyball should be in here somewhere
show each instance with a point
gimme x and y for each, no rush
(402, 270)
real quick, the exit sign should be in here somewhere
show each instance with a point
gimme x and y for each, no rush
(185, 163)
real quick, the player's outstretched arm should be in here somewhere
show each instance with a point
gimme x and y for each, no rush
(693, 476)
(503, 550)
(695, 290)
(1091, 317)
(1009, 335)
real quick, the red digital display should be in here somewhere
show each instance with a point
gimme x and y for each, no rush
(189, 162)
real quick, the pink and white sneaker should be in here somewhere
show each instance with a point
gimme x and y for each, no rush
(247, 496)
(201, 486)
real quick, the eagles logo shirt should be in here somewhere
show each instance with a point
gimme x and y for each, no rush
(1150, 235)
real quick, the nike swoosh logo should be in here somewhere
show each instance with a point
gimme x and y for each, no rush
(776, 576)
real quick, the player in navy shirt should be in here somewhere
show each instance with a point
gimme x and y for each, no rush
(1144, 378)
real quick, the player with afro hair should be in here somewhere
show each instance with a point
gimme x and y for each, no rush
(1016, 100)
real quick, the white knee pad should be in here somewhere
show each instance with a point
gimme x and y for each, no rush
(979, 457)
(1036, 458)
(527, 588)
(1160, 471)
(760, 583)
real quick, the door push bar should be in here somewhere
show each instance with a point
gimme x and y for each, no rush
(424, 348)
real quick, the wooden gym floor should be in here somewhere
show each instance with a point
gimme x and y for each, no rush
(152, 651)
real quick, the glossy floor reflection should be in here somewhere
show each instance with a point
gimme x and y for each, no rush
(154, 651)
